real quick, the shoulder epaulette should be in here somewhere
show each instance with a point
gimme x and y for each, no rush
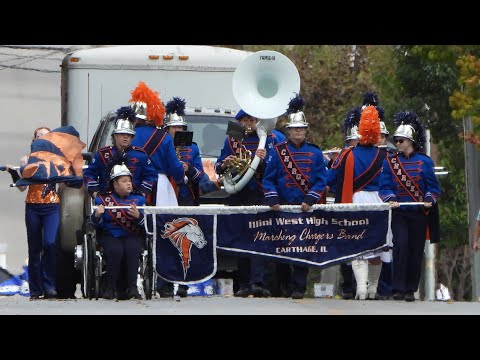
(138, 149)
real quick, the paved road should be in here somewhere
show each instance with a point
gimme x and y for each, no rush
(218, 305)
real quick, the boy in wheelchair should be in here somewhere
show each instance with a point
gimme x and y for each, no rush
(121, 235)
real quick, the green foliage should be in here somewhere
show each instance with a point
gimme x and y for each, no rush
(405, 78)
(453, 205)
(330, 86)
(428, 75)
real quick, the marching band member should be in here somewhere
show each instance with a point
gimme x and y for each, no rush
(356, 173)
(122, 236)
(157, 143)
(409, 176)
(189, 156)
(251, 194)
(283, 187)
(384, 289)
(350, 127)
(96, 178)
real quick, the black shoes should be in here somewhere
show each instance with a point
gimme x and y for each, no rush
(398, 296)
(243, 292)
(259, 291)
(50, 294)
(182, 291)
(134, 294)
(409, 296)
(297, 294)
(108, 294)
(166, 291)
(347, 295)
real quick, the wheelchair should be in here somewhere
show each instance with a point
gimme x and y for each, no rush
(89, 260)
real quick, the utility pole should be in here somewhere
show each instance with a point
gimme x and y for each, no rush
(430, 249)
(472, 179)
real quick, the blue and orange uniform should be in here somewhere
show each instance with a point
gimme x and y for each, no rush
(282, 186)
(158, 145)
(408, 179)
(122, 237)
(278, 185)
(252, 193)
(251, 270)
(96, 177)
(189, 193)
(367, 165)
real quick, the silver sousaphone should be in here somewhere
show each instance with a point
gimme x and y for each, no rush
(262, 85)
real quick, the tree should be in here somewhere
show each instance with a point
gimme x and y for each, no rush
(429, 75)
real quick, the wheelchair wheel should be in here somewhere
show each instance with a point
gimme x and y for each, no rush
(87, 266)
(98, 276)
(148, 275)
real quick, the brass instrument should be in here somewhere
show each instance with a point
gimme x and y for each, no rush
(334, 150)
(238, 166)
(262, 85)
(178, 150)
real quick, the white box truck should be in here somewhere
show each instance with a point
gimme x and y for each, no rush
(95, 82)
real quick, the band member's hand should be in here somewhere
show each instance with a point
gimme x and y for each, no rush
(94, 195)
(275, 207)
(133, 211)
(99, 211)
(185, 165)
(227, 161)
(475, 246)
(261, 153)
(427, 205)
(394, 204)
(305, 207)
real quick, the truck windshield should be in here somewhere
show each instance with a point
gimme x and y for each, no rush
(209, 132)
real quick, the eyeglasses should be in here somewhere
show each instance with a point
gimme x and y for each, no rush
(399, 141)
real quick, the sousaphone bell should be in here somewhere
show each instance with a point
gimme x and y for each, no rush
(262, 85)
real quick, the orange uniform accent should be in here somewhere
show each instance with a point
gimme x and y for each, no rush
(347, 190)
(34, 195)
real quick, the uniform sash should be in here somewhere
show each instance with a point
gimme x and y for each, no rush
(404, 179)
(154, 141)
(292, 168)
(105, 154)
(119, 215)
(364, 179)
(433, 217)
(345, 164)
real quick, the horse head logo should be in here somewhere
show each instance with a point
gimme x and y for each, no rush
(183, 233)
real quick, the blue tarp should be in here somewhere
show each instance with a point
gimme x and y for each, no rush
(11, 284)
